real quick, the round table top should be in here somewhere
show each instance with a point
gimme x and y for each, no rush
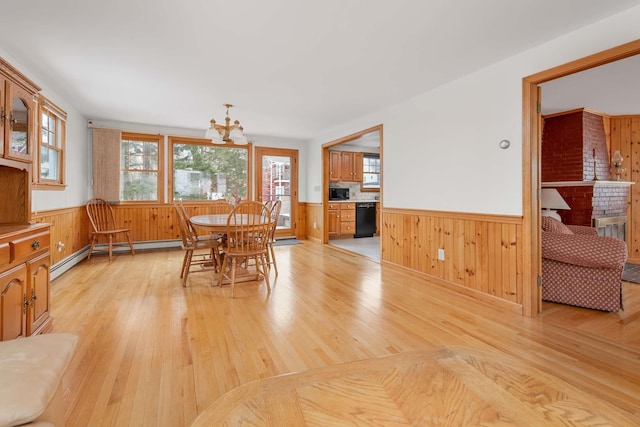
(215, 222)
(435, 386)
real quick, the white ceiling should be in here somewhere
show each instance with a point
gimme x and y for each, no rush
(612, 89)
(291, 67)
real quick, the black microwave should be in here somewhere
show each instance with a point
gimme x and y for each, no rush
(338, 193)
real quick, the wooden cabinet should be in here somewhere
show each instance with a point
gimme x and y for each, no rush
(24, 280)
(334, 166)
(38, 282)
(13, 283)
(333, 227)
(357, 167)
(347, 219)
(342, 219)
(345, 166)
(18, 114)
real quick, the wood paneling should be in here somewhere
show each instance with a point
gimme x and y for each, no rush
(625, 136)
(70, 226)
(314, 221)
(482, 253)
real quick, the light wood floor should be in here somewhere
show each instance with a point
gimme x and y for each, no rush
(153, 353)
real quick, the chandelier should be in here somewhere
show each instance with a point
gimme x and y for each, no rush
(222, 134)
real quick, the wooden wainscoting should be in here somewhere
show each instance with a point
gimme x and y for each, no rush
(69, 226)
(482, 253)
(625, 136)
(314, 217)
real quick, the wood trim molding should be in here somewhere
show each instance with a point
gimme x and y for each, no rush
(531, 137)
(502, 219)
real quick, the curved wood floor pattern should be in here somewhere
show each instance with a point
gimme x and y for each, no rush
(152, 353)
(453, 386)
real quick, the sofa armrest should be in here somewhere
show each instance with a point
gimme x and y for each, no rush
(582, 229)
(585, 250)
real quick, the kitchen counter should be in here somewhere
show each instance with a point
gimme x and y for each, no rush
(355, 201)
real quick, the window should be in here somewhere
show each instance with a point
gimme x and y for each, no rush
(371, 171)
(50, 157)
(204, 171)
(139, 167)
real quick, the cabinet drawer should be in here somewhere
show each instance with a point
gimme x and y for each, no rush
(28, 245)
(348, 206)
(334, 206)
(348, 227)
(347, 216)
(5, 253)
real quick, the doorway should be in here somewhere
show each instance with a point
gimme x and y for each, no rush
(531, 138)
(277, 179)
(363, 151)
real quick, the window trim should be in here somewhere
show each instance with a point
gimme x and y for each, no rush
(145, 137)
(47, 106)
(206, 142)
(362, 187)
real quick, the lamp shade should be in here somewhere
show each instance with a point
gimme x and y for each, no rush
(551, 199)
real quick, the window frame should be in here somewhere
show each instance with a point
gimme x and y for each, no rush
(173, 140)
(379, 173)
(144, 137)
(46, 106)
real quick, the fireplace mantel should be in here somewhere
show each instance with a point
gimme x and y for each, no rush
(587, 184)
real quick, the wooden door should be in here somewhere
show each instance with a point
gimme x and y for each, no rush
(38, 292)
(334, 166)
(277, 179)
(12, 303)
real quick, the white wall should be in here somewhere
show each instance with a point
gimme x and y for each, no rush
(440, 149)
(77, 190)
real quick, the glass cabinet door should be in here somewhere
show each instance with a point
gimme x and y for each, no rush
(19, 110)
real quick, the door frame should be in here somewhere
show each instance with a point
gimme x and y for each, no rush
(282, 152)
(531, 137)
(325, 175)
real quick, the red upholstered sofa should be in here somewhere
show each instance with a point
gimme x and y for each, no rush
(581, 268)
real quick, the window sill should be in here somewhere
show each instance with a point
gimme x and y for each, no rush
(54, 187)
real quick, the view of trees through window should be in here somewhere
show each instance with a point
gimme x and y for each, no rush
(209, 172)
(139, 168)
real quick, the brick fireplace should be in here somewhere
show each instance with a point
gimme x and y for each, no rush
(575, 161)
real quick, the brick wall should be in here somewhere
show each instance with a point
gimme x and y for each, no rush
(588, 203)
(569, 144)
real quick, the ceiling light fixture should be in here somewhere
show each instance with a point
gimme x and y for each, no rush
(222, 134)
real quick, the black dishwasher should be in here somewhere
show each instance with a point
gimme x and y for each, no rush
(365, 219)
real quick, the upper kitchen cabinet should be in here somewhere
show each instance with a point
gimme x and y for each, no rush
(18, 121)
(345, 166)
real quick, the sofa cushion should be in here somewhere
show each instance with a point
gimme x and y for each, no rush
(552, 225)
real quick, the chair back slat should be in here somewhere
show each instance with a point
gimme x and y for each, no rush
(274, 215)
(248, 228)
(101, 215)
(183, 224)
(220, 206)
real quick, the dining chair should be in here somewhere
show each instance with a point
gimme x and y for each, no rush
(220, 206)
(191, 243)
(274, 214)
(103, 222)
(247, 236)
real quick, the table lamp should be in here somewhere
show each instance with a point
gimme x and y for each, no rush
(550, 201)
